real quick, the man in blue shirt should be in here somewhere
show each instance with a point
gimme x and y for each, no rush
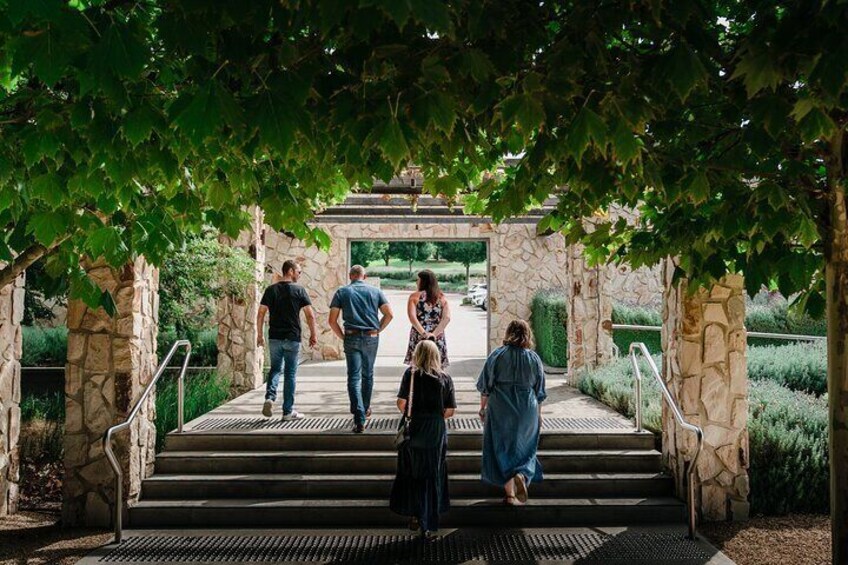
(360, 305)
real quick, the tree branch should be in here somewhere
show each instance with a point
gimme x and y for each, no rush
(20, 263)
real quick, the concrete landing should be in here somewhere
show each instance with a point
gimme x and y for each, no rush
(322, 393)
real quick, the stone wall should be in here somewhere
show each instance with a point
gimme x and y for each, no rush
(589, 313)
(239, 355)
(704, 365)
(11, 313)
(110, 361)
(520, 264)
(636, 287)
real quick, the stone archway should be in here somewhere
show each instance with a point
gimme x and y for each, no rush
(520, 263)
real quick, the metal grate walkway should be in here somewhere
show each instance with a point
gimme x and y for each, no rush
(342, 424)
(499, 547)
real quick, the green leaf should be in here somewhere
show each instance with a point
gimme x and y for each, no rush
(626, 145)
(276, 123)
(476, 63)
(138, 124)
(219, 194)
(393, 143)
(699, 187)
(758, 70)
(48, 57)
(522, 109)
(587, 126)
(433, 70)
(808, 234)
(439, 109)
(47, 226)
(120, 52)
(107, 242)
(684, 70)
(198, 119)
(432, 13)
(47, 188)
(816, 125)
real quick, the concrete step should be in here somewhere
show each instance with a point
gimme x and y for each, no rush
(384, 462)
(464, 512)
(376, 441)
(293, 486)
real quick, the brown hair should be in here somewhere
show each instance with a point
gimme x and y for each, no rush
(288, 266)
(428, 283)
(518, 334)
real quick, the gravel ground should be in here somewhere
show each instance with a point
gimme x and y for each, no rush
(37, 537)
(797, 539)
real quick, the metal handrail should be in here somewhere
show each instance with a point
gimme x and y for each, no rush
(107, 437)
(639, 347)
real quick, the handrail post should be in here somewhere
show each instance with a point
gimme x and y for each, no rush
(689, 466)
(107, 437)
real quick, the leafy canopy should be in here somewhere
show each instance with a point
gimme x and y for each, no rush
(128, 124)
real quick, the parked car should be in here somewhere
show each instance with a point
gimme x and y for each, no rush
(485, 304)
(480, 295)
(472, 290)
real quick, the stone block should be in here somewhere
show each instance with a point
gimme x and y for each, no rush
(715, 347)
(690, 358)
(739, 419)
(714, 503)
(716, 397)
(98, 356)
(98, 512)
(740, 510)
(737, 366)
(709, 466)
(729, 456)
(714, 314)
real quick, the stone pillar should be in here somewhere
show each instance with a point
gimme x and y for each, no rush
(110, 361)
(11, 314)
(589, 313)
(704, 366)
(239, 355)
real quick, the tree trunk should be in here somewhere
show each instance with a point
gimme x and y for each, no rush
(836, 278)
(468, 275)
(410, 267)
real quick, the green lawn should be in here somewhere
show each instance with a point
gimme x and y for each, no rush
(438, 267)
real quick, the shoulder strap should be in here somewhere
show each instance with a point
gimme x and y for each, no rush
(411, 389)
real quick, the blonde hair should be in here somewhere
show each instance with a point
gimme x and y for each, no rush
(518, 334)
(427, 358)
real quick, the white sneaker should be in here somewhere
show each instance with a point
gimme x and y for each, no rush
(295, 415)
(267, 408)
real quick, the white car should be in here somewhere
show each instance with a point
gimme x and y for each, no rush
(479, 295)
(472, 290)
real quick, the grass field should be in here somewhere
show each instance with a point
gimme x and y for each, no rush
(438, 267)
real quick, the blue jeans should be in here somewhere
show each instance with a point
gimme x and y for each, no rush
(360, 352)
(282, 351)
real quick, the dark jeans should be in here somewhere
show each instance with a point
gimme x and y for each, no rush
(360, 352)
(428, 503)
(282, 351)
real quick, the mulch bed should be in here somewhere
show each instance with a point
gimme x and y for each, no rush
(38, 537)
(796, 539)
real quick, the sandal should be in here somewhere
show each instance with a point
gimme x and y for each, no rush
(510, 500)
(520, 487)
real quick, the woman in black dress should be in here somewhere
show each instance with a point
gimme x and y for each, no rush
(420, 489)
(429, 313)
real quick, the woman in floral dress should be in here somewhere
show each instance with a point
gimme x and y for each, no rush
(429, 313)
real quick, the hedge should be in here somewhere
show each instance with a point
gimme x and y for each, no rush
(787, 436)
(44, 347)
(48, 347)
(204, 391)
(636, 316)
(797, 366)
(549, 315)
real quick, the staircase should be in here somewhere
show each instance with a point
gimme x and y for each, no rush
(329, 477)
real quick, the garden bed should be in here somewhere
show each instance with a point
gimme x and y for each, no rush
(796, 539)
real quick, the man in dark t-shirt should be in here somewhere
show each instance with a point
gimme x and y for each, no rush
(284, 300)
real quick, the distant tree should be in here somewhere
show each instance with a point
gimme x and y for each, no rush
(411, 251)
(365, 252)
(465, 252)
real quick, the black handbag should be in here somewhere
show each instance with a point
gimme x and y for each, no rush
(402, 435)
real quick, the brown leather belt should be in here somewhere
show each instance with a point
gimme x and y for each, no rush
(371, 333)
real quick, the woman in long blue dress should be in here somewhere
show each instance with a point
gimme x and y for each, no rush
(512, 388)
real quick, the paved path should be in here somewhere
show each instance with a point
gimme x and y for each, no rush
(466, 333)
(322, 392)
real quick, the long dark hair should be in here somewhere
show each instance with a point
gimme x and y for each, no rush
(429, 284)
